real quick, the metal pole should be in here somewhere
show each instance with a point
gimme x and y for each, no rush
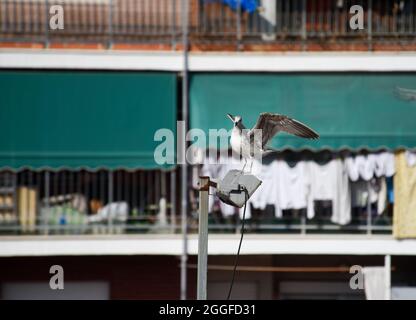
(239, 35)
(173, 201)
(110, 200)
(184, 187)
(47, 24)
(387, 268)
(47, 206)
(203, 238)
(304, 34)
(369, 209)
(173, 25)
(110, 25)
(370, 25)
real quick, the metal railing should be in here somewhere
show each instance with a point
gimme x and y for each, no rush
(83, 201)
(211, 21)
(91, 21)
(122, 202)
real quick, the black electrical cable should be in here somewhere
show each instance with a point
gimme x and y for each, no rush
(239, 246)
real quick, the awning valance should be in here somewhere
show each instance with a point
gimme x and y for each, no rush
(354, 111)
(83, 119)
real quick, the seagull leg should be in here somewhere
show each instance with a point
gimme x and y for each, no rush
(251, 165)
(242, 170)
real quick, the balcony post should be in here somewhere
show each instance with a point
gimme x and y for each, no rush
(173, 26)
(239, 34)
(368, 209)
(47, 206)
(110, 25)
(110, 200)
(370, 25)
(46, 43)
(304, 32)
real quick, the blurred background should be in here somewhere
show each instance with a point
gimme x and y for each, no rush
(80, 188)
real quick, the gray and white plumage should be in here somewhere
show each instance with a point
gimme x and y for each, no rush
(247, 142)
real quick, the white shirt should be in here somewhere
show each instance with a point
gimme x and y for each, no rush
(330, 182)
(292, 186)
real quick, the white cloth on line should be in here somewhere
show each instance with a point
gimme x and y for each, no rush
(366, 167)
(384, 164)
(410, 158)
(361, 191)
(283, 187)
(266, 194)
(374, 283)
(292, 186)
(374, 191)
(352, 169)
(382, 196)
(330, 182)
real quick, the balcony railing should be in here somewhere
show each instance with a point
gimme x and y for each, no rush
(77, 202)
(302, 24)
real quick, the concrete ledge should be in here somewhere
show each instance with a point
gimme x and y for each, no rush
(207, 62)
(217, 245)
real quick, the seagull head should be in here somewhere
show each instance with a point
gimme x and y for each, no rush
(235, 120)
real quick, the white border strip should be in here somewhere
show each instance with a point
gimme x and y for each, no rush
(95, 60)
(207, 62)
(304, 62)
(218, 245)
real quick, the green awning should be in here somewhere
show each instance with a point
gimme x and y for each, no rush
(83, 119)
(354, 111)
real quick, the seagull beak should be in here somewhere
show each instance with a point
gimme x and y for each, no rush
(231, 117)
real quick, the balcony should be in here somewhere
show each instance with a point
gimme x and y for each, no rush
(298, 25)
(117, 202)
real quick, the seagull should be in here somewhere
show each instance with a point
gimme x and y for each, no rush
(249, 143)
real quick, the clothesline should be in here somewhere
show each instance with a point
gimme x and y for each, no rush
(298, 184)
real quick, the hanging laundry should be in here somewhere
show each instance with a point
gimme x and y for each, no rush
(246, 5)
(361, 191)
(293, 186)
(362, 171)
(382, 196)
(360, 167)
(404, 219)
(352, 169)
(283, 186)
(268, 192)
(368, 166)
(374, 283)
(374, 191)
(330, 182)
(384, 164)
(410, 158)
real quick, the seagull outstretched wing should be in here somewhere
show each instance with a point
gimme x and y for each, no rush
(273, 123)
